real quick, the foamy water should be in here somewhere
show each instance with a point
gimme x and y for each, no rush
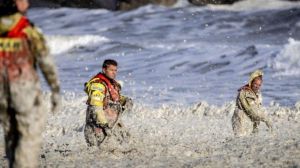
(173, 135)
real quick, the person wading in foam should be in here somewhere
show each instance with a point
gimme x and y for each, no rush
(104, 105)
(249, 112)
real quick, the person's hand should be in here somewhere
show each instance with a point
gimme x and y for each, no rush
(107, 131)
(128, 104)
(55, 102)
(269, 125)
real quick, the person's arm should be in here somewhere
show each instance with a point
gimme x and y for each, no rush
(263, 113)
(250, 106)
(42, 57)
(45, 62)
(254, 110)
(96, 93)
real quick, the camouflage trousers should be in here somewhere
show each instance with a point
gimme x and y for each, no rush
(95, 135)
(242, 125)
(22, 118)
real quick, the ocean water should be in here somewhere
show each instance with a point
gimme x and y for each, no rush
(180, 55)
(182, 66)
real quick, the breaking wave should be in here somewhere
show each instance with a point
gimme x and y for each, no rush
(61, 44)
(256, 5)
(287, 63)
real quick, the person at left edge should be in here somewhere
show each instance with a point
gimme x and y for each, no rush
(22, 51)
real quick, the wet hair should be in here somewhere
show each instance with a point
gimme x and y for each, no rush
(8, 7)
(257, 78)
(108, 62)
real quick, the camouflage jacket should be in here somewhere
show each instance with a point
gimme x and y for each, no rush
(36, 46)
(250, 103)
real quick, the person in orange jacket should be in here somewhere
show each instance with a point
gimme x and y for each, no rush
(105, 103)
(22, 51)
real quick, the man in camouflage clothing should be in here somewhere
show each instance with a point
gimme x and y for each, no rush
(249, 112)
(22, 50)
(105, 104)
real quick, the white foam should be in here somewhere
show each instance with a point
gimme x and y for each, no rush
(169, 131)
(60, 44)
(254, 5)
(166, 117)
(287, 63)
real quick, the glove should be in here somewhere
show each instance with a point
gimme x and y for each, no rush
(126, 103)
(55, 102)
(267, 121)
(255, 127)
(269, 125)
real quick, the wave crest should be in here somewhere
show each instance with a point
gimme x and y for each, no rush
(61, 44)
(287, 63)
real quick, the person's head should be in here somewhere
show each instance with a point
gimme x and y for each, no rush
(110, 68)
(22, 5)
(255, 80)
(9, 7)
(256, 84)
